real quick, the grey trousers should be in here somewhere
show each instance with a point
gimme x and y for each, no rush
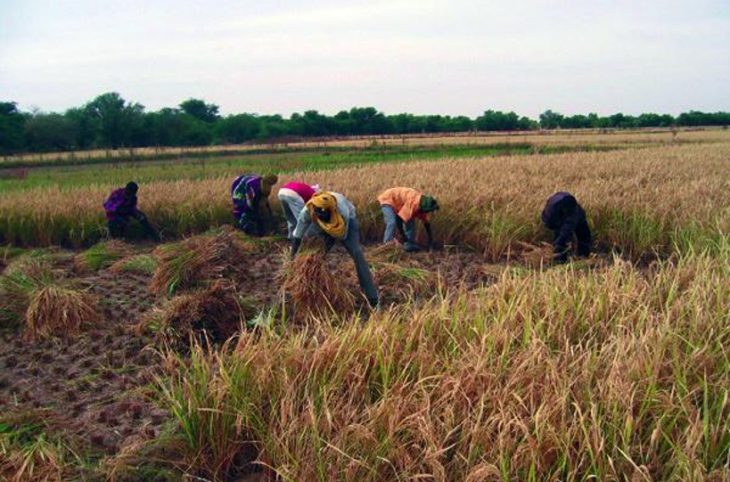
(354, 248)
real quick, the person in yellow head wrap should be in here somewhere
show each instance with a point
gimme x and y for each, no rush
(333, 216)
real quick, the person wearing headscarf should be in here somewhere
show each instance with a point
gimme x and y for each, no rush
(566, 219)
(333, 216)
(292, 197)
(251, 208)
(401, 206)
(120, 207)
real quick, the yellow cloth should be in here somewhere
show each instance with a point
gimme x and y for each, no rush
(403, 200)
(336, 225)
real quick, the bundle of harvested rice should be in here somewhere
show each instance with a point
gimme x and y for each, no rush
(139, 263)
(101, 255)
(535, 256)
(200, 258)
(213, 312)
(312, 290)
(58, 311)
(17, 285)
(404, 282)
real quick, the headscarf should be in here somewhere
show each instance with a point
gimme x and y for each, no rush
(427, 204)
(267, 182)
(326, 200)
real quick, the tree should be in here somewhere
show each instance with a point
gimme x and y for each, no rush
(235, 129)
(11, 128)
(550, 120)
(200, 110)
(85, 127)
(117, 119)
(498, 121)
(50, 132)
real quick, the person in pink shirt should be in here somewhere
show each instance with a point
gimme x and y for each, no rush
(293, 196)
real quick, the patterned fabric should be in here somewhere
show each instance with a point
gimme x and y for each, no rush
(245, 193)
(119, 205)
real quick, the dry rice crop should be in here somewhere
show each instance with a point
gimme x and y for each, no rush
(207, 257)
(559, 137)
(312, 291)
(212, 313)
(55, 311)
(27, 452)
(101, 255)
(659, 199)
(139, 263)
(605, 374)
(17, 287)
(405, 282)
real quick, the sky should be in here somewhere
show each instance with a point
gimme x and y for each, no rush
(457, 57)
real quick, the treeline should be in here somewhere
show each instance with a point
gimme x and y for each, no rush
(109, 121)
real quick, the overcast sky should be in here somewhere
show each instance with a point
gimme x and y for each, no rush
(420, 56)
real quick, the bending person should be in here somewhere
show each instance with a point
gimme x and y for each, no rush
(250, 198)
(401, 206)
(333, 216)
(120, 207)
(566, 218)
(293, 196)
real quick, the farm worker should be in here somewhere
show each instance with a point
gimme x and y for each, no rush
(565, 217)
(250, 197)
(402, 206)
(121, 206)
(293, 196)
(333, 216)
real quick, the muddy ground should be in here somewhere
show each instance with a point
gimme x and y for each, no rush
(96, 389)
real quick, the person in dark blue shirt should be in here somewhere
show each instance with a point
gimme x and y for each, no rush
(566, 219)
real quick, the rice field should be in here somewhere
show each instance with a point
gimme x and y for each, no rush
(642, 202)
(542, 137)
(484, 362)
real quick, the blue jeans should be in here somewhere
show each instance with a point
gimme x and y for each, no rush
(391, 221)
(354, 249)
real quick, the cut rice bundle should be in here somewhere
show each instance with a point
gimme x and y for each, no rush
(312, 290)
(186, 264)
(405, 282)
(60, 312)
(214, 313)
(101, 255)
(535, 256)
(139, 263)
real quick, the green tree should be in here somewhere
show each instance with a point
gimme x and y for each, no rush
(12, 123)
(50, 132)
(551, 120)
(86, 127)
(200, 110)
(117, 119)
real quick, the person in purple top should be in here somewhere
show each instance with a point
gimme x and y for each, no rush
(566, 218)
(120, 207)
(251, 208)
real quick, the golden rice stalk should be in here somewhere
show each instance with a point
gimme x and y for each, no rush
(58, 311)
(312, 290)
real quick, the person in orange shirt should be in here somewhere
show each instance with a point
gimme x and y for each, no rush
(401, 206)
